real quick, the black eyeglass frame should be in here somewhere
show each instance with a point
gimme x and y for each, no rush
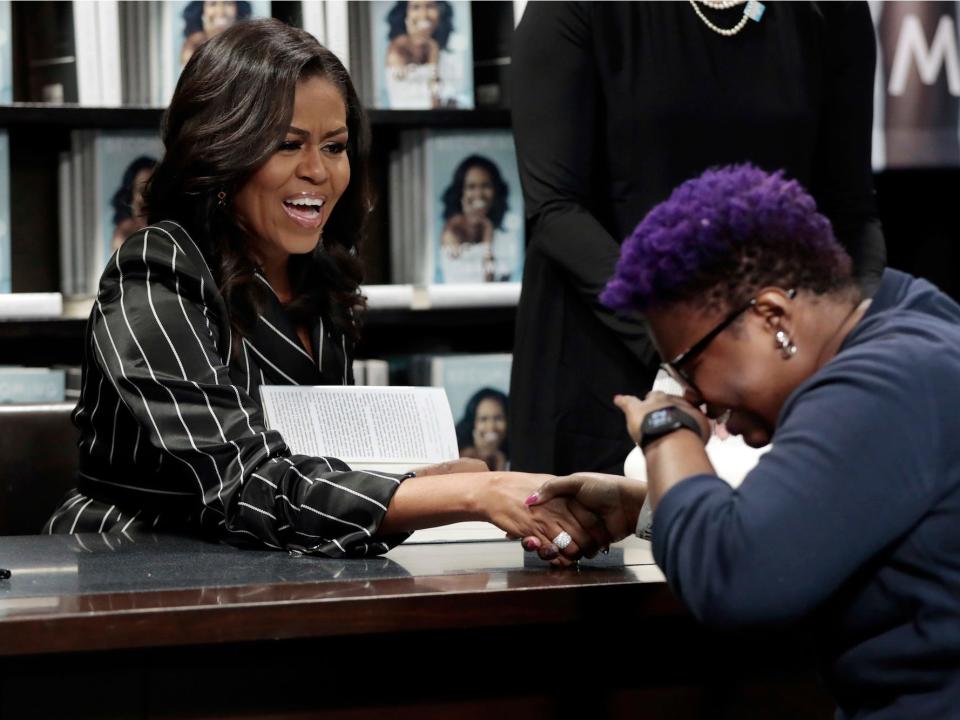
(674, 367)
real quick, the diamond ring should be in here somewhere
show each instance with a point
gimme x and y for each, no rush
(562, 540)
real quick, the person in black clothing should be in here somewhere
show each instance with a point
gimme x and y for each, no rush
(620, 102)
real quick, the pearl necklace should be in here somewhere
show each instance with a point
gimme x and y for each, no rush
(752, 11)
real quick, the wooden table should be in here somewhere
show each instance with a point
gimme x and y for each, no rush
(108, 626)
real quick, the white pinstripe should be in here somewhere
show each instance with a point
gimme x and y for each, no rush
(103, 522)
(375, 474)
(59, 514)
(287, 340)
(96, 405)
(261, 477)
(136, 445)
(246, 361)
(135, 515)
(320, 347)
(79, 513)
(186, 318)
(113, 436)
(267, 361)
(258, 509)
(334, 517)
(263, 435)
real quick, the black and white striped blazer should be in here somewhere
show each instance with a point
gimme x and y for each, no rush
(171, 429)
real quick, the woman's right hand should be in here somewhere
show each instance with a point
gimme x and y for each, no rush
(502, 503)
(615, 499)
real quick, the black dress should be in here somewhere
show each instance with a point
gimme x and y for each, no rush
(614, 105)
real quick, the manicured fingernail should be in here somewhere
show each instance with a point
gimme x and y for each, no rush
(550, 553)
(532, 499)
(531, 544)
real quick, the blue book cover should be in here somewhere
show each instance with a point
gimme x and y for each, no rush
(187, 23)
(31, 385)
(124, 162)
(5, 260)
(477, 388)
(422, 55)
(474, 207)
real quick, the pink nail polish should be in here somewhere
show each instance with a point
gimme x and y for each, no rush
(532, 499)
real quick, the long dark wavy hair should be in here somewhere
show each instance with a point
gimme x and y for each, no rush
(453, 193)
(397, 18)
(230, 112)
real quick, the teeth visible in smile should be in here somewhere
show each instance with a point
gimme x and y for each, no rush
(306, 202)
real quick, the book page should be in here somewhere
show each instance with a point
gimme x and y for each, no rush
(363, 426)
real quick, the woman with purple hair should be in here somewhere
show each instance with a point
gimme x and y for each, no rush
(853, 516)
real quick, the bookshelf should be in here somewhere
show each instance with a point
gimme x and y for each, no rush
(39, 132)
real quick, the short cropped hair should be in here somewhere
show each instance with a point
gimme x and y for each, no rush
(722, 236)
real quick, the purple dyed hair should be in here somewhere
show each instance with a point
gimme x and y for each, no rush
(721, 237)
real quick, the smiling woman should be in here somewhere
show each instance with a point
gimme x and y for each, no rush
(247, 275)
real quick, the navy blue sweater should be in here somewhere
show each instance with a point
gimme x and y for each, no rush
(853, 518)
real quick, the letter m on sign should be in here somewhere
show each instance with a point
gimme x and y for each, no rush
(912, 48)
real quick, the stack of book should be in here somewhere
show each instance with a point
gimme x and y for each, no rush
(101, 203)
(456, 210)
(110, 53)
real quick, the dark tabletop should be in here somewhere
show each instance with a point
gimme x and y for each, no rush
(93, 592)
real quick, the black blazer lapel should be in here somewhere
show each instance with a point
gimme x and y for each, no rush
(277, 349)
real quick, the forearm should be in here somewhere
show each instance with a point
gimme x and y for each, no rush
(673, 458)
(422, 502)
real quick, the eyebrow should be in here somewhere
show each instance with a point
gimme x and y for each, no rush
(306, 133)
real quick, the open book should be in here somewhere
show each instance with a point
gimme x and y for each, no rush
(392, 429)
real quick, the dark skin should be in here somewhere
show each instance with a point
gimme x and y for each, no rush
(742, 371)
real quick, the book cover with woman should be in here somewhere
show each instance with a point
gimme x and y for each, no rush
(477, 388)
(188, 23)
(124, 162)
(422, 54)
(475, 208)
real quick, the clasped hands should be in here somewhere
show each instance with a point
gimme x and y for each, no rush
(610, 500)
(593, 509)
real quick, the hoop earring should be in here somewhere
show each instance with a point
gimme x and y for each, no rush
(221, 199)
(787, 348)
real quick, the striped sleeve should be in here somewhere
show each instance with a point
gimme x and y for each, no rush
(152, 337)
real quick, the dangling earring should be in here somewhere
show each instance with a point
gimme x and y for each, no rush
(787, 348)
(221, 199)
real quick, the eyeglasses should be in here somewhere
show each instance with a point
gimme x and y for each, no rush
(674, 368)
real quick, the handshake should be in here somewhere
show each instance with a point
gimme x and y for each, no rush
(604, 508)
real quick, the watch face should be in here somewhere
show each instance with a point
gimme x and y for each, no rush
(658, 417)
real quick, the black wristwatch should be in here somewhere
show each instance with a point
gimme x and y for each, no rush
(664, 421)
